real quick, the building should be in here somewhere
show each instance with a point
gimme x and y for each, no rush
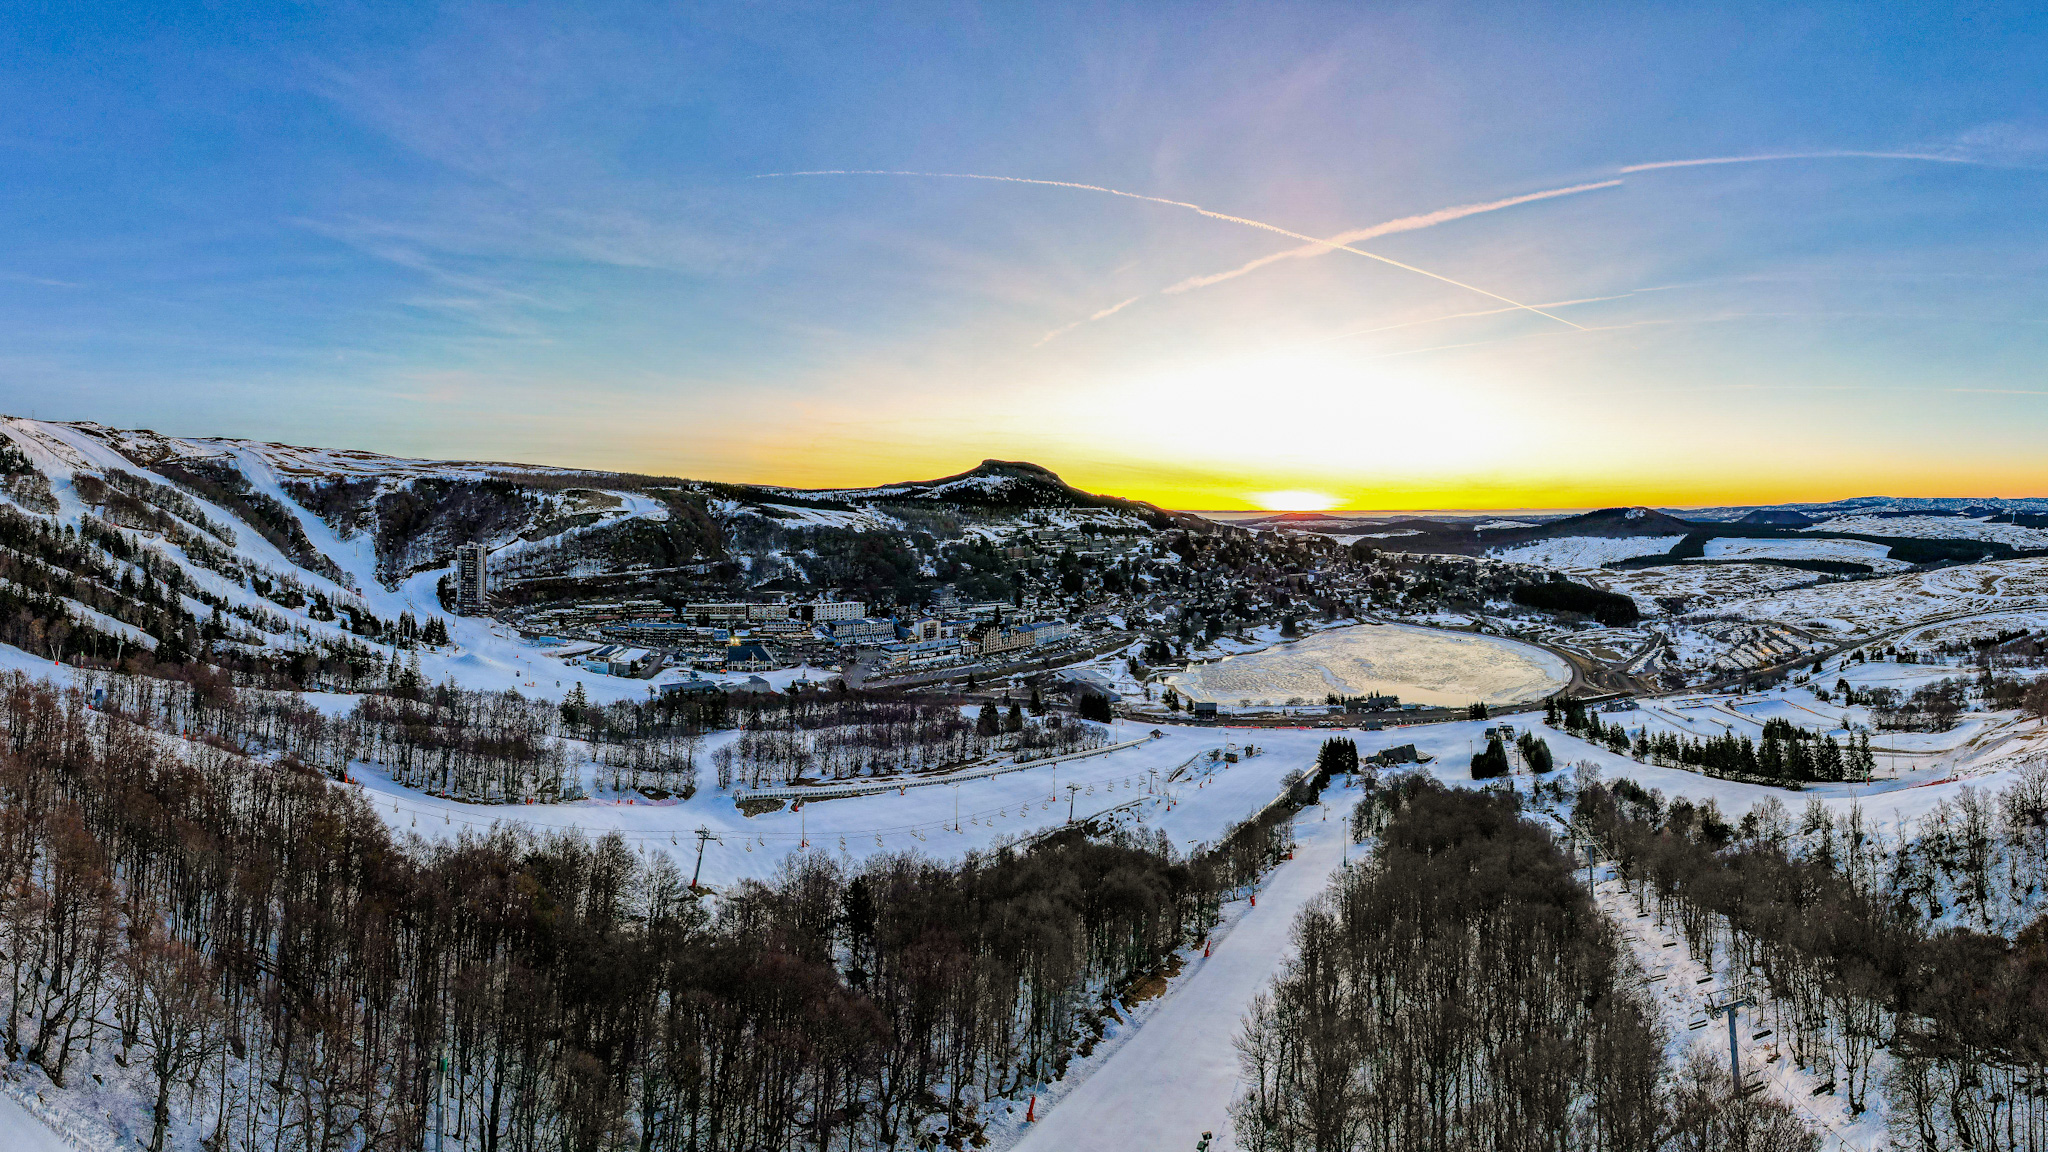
(925, 652)
(747, 656)
(822, 611)
(1047, 632)
(638, 663)
(472, 580)
(622, 660)
(865, 630)
(714, 615)
(990, 639)
(710, 614)
(691, 687)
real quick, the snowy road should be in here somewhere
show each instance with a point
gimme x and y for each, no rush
(1175, 1077)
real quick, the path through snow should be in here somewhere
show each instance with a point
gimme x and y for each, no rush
(22, 1132)
(1175, 1077)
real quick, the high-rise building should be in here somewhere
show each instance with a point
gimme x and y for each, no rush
(472, 580)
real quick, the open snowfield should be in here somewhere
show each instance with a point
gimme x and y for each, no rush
(1702, 584)
(1580, 552)
(1936, 528)
(1852, 551)
(1199, 806)
(1420, 665)
(1976, 628)
(1862, 607)
(1209, 797)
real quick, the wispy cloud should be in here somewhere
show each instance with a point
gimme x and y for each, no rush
(39, 281)
(1403, 224)
(1195, 208)
(1703, 161)
(1465, 316)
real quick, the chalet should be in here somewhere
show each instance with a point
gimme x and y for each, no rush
(747, 656)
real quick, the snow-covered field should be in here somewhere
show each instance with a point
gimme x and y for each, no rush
(1420, 665)
(1861, 607)
(1203, 803)
(1936, 528)
(1580, 552)
(1209, 797)
(1699, 583)
(1852, 551)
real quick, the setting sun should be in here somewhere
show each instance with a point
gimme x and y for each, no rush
(1295, 500)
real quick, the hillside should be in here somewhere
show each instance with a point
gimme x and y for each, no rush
(115, 541)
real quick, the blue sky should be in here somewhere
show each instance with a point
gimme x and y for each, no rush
(544, 233)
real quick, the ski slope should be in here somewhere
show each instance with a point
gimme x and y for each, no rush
(22, 1132)
(1173, 1078)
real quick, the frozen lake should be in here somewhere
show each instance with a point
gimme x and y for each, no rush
(1420, 665)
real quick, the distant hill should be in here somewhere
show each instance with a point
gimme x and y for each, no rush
(993, 486)
(1466, 538)
(1781, 517)
(1606, 522)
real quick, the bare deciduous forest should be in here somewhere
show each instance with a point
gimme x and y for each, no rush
(292, 974)
(1461, 990)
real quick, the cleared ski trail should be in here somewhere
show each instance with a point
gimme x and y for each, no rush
(1175, 1077)
(21, 1132)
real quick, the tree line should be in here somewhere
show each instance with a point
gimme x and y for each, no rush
(1786, 754)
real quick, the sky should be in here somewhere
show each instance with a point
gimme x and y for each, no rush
(1214, 256)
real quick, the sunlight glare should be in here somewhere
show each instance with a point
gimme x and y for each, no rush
(1295, 500)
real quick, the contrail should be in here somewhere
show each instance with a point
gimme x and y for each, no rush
(1196, 208)
(1112, 310)
(1799, 156)
(1404, 224)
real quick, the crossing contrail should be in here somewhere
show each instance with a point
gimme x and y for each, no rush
(1195, 208)
(1404, 224)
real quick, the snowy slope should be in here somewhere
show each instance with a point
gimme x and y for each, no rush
(1570, 552)
(1164, 1083)
(22, 1132)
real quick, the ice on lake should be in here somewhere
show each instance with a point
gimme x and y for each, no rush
(1420, 665)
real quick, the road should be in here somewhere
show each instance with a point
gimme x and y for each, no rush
(1175, 1077)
